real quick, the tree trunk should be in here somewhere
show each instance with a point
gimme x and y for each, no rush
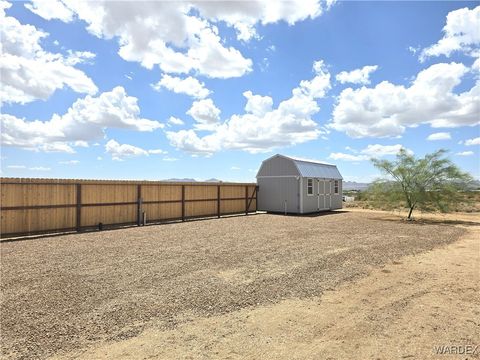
(409, 217)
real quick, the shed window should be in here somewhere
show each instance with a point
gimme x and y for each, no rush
(336, 186)
(309, 186)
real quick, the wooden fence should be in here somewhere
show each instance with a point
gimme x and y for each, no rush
(36, 206)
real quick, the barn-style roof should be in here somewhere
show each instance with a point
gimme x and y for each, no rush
(310, 168)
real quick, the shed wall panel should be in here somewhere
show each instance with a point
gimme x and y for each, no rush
(327, 200)
(274, 192)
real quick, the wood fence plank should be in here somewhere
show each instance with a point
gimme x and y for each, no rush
(32, 206)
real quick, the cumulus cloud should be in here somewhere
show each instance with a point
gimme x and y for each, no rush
(157, 151)
(460, 33)
(205, 113)
(387, 109)
(471, 142)
(189, 86)
(244, 15)
(52, 9)
(122, 151)
(262, 128)
(357, 76)
(84, 121)
(465, 153)
(371, 151)
(348, 157)
(29, 72)
(256, 104)
(382, 150)
(439, 136)
(175, 121)
(177, 36)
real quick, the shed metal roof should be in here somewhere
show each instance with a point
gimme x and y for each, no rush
(318, 170)
(313, 168)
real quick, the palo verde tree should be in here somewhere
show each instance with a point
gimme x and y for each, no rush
(429, 183)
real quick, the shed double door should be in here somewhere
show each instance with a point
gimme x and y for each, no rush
(324, 194)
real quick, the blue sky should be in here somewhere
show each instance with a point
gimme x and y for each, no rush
(163, 90)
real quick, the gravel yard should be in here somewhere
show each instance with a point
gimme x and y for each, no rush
(66, 293)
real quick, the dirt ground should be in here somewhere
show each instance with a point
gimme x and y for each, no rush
(342, 285)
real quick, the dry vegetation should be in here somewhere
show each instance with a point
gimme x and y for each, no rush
(469, 204)
(67, 293)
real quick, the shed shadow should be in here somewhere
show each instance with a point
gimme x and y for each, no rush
(313, 214)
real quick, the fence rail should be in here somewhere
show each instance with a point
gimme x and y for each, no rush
(38, 206)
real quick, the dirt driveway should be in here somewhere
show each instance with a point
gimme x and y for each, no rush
(345, 285)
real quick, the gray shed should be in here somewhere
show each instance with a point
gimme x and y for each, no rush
(292, 185)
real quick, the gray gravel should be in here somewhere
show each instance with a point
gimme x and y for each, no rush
(66, 292)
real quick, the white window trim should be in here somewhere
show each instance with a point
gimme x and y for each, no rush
(313, 187)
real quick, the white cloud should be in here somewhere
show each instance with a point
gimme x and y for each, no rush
(439, 136)
(29, 72)
(387, 109)
(85, 120)
(465, 153)
(371, 151)
(79, 57)
(413, 49)
(189, 86)
(378, 150)
(16, 167)
(119, 152)
(357, 76)
(181, 36)
(460, 33)
(257, 105)
(80, 143)
(474, 141)
(205, 113)
(55, 146)
(234, 168)
(122, 151)
(244, 15)
(318, 86)
(348, 157)
(157, 151)
(175, 121)
(167, 158)
(262, 128)
(39, 168)
(51, 9)
(69, 162)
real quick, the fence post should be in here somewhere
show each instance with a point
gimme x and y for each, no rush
(79, 207)
(246, 199)
(218, 201)
(256, 197)
(183, 202)
(139, 204)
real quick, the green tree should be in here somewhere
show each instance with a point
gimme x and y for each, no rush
(430, 183)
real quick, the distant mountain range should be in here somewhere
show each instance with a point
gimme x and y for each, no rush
(353, 185)
(347, 185)
(180, 180)
(191, 180)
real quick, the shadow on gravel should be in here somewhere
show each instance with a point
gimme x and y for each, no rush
(119, 227)
(315, 214)
(430, 221)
